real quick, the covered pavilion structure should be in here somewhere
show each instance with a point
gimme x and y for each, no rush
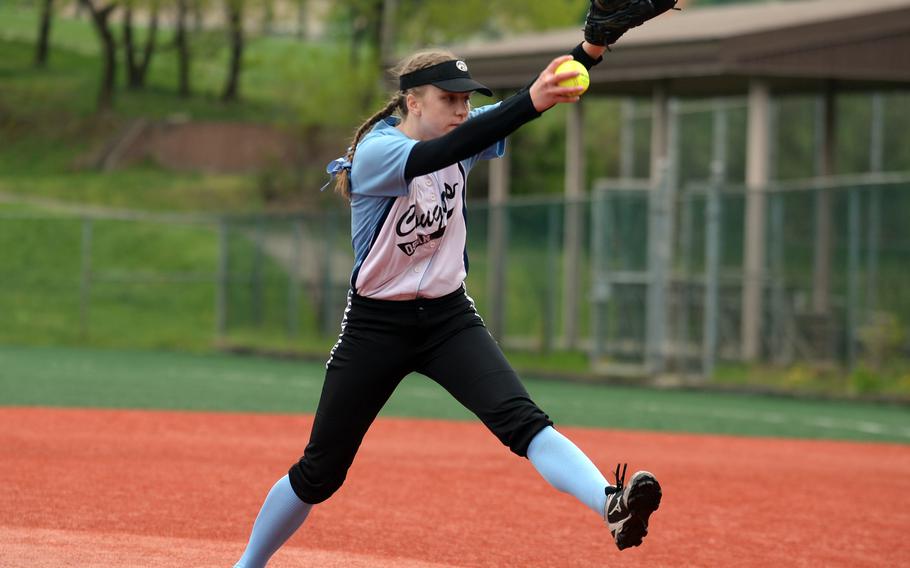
(756, 51)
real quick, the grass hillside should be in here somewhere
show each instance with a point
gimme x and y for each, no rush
(49, 129)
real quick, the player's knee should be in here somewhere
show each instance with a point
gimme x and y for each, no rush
(520, 437)
(314, 486)
(516, 424)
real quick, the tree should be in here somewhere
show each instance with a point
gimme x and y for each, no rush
(366, 27)
(301, 19)
(181, 41)
(434, 22)
(268, 16)
(137, 67)
(197, 14)
(235, 39)
(44, 33)
(100, 15)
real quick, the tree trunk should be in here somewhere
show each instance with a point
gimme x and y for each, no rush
(150, 44)
(101, 22)
(183, 50)
(268, 16)
(366, 31)
(128, 49)
(235, 36)
(197, 16)
(137, 68)
(387, 33)
(301, 20)
(44, 33)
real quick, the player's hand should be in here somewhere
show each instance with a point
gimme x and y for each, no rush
(546, 92)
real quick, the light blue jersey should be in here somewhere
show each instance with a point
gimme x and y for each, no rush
(408, 234)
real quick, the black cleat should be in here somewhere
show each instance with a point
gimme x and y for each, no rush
(629, 507)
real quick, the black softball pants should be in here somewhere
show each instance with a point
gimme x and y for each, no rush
(383, 341)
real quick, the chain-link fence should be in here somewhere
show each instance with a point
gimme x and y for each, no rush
(832, 286)
(172, 281)
(647, 281)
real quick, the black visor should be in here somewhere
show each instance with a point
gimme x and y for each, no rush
(450, 76)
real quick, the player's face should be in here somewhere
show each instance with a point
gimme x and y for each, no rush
(441, 111)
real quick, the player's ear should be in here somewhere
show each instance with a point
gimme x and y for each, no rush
(413, 103)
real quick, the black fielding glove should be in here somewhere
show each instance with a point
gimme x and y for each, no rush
(607, 20)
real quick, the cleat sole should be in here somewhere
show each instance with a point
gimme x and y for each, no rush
(644, 499)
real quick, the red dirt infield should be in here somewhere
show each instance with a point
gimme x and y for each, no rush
(108, 488)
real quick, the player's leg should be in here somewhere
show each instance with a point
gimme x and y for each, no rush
(281, 515)
(472, 368)
(470, 365)
(365, 368)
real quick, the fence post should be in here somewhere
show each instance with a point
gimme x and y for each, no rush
(660, 239)
(853, 230)
(873, 247)
(294, 279)
(778, 335)
(85, 288)
(497, 245)
(658, 266)
(551, 315)
(712, 239)
(876, 165)
(627, 140)
(221, 279)
(777, 246)
(825, 131)
(256, 275)
(331, 220)
(684, 296)
(600, 286)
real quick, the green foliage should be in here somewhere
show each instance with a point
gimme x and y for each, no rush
(285, 80)
(892, 379)
(315, 81)
(50, 134)
(426, 23)
(864, 381)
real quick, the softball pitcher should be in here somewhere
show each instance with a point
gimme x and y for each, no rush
(408, 311)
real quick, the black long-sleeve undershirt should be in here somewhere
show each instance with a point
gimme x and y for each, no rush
(472, 136)
(481, 131)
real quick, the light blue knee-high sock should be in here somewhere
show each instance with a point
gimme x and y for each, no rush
(568, 469)
(281, 515)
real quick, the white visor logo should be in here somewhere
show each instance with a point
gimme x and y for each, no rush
(462, 66)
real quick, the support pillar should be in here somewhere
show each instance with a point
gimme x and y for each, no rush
(712, 239)
(825, 140)
(658, 235)
(757, 174)
(497, 243)
(574, 192)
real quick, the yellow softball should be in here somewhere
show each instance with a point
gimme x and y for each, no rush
(581, 80)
